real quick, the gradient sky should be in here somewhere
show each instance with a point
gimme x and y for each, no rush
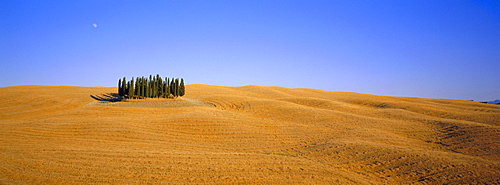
(419, 48)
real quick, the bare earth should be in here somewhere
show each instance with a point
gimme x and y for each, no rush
(249, 135)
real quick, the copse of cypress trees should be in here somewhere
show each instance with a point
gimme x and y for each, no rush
(152, 87)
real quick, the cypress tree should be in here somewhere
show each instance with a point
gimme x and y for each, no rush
(177, 89)
(138, 87)
(143, 87)
(127, 90)
(120, 87)
(150, 86)
(131, 89)
(167, 89)
(160, 86)
(164, 88)
(155, 87)
(135, 85)
(172, 88)
(182, 89)
(124, 86)
(146, 85)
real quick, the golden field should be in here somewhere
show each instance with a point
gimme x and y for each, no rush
(244, 135)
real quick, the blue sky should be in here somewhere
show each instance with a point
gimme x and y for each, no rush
(419, 48)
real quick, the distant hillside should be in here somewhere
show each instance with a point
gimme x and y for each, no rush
(494, 102)
(244, 135)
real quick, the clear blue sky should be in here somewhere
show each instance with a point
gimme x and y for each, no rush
(420, 48)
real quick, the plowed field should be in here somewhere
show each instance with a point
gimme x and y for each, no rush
(249, 135)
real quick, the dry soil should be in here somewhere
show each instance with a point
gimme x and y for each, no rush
(247, 135)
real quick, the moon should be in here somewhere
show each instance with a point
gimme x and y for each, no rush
(94, 25)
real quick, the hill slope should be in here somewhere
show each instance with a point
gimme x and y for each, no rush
(245, 134)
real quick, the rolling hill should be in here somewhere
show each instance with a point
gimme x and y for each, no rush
(250, 135)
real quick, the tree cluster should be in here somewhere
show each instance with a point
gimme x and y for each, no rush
(152, 87)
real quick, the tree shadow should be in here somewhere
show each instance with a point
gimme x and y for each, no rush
(108, 97)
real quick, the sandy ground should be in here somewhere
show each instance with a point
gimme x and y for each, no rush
(248, 135)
